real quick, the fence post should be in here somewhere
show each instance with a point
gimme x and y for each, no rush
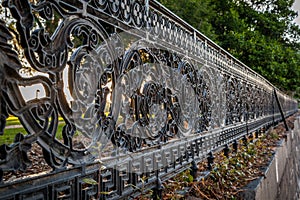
(194, 170)
(210, 160)
(280, 109)
(226, 150)
(235, 146)
(157, 191)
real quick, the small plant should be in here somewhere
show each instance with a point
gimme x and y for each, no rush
(229, 175)
(274, 135)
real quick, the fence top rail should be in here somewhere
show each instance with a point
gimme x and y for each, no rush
(158, 6)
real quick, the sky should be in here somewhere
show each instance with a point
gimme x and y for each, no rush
(296, 7)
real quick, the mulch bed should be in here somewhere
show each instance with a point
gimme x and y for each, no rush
(37, 166)
(229, 175)
(225, 181)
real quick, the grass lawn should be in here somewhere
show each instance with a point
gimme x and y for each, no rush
(9, 135)
(12, 121)
(10, 132)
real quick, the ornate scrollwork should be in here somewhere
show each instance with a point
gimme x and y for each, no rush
(122, 77)
(81, 43)
(149, 105)
(154, 105)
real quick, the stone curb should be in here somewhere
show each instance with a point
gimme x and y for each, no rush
(282, 174)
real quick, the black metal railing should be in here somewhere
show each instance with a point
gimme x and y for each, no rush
(124, 93)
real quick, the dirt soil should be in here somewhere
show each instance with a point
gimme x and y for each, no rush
(226, 179)
(229, 175)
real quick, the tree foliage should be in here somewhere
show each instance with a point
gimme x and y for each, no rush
(198, 13)
(260, 33)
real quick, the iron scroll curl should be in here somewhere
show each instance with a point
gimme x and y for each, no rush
(122, 78)
(153, 91)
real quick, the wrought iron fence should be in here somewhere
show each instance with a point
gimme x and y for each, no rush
(139, 95)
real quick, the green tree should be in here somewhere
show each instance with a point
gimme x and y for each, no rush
(197, 13)
(260, 33)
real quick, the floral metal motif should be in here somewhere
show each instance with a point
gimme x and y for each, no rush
(127, 77)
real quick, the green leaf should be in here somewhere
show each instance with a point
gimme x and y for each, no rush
(90, 181)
